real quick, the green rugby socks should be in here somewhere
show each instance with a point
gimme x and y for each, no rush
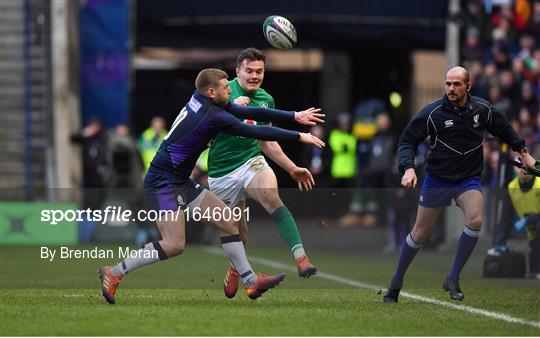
(288, 230)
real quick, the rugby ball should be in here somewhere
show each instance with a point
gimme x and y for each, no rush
(279, 32)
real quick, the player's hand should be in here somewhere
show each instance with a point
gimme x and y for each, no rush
(528, 160)
(409, 179)
(309, 117)
(242, 100)
(303, 177)
(529, 165)
(310, 139)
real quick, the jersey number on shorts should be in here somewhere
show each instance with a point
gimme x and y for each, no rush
(179, 118)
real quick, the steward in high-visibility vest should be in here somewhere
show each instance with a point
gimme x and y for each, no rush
(150, 140)
(343, 145)
(524, 192)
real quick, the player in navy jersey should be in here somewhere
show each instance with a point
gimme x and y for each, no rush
(168, 187)
(456, 124)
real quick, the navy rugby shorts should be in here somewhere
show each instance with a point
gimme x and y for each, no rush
(439, 193)
(166, 192)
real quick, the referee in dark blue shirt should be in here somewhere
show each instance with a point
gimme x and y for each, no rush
(455, 124)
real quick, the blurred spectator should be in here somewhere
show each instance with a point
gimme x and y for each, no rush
(343, 168)
(524, 118)
(475, 17)
(473, 50)
(483, 80)
(533, 27)
(518, 68)
(317, 160)
(124, 163)
(376, 174)
(501, 57)
(151, 138)
(125, 170)
(93, 141)
(343, 146)
(526, 45)
(501, 103)
(508, 86)
(528, 99)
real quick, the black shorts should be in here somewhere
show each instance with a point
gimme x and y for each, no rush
(166, 192)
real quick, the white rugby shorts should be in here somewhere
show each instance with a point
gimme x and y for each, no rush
(231, 187)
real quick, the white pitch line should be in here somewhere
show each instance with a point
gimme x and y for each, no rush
(351, 282)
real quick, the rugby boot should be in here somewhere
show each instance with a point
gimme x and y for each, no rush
(452, 286)
(109, 283)
(391, 295)
(305, 268)
(230, 284)
(263, 284)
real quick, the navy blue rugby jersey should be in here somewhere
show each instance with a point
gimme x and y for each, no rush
(200, 121)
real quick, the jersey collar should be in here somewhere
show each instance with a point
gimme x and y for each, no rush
(465, 109)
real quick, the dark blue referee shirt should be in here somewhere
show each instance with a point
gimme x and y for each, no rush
(456, 136)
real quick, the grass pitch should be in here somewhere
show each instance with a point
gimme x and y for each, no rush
(183, 296)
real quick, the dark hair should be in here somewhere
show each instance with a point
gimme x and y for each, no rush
(209, 77)
(251, 54)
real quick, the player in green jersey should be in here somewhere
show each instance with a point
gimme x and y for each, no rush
(237, 168)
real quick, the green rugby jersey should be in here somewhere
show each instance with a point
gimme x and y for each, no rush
(229, 152)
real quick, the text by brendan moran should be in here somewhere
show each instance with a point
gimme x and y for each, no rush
(65, 252)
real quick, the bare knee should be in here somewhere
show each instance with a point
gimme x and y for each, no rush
(475, 223)
(419, 235)
(228, 227)
(270, 201)
(174, 248)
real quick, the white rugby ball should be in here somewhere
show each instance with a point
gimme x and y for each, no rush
(279, 32)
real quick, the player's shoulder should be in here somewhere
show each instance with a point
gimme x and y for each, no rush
(264, 97)
(262, 92)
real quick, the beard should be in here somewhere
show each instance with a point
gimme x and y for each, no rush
(456, 98)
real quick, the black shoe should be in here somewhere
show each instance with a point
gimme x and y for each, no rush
(391, 295)
(452, 286)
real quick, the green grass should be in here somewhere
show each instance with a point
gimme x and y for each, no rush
(183, 296)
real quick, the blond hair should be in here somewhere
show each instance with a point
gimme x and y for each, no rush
(208, 78)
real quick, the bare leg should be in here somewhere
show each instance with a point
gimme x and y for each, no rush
(264, 189)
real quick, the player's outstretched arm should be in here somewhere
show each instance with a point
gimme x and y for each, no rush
(227, 123)
(260, 114)
(301, 176)
(307, 117)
